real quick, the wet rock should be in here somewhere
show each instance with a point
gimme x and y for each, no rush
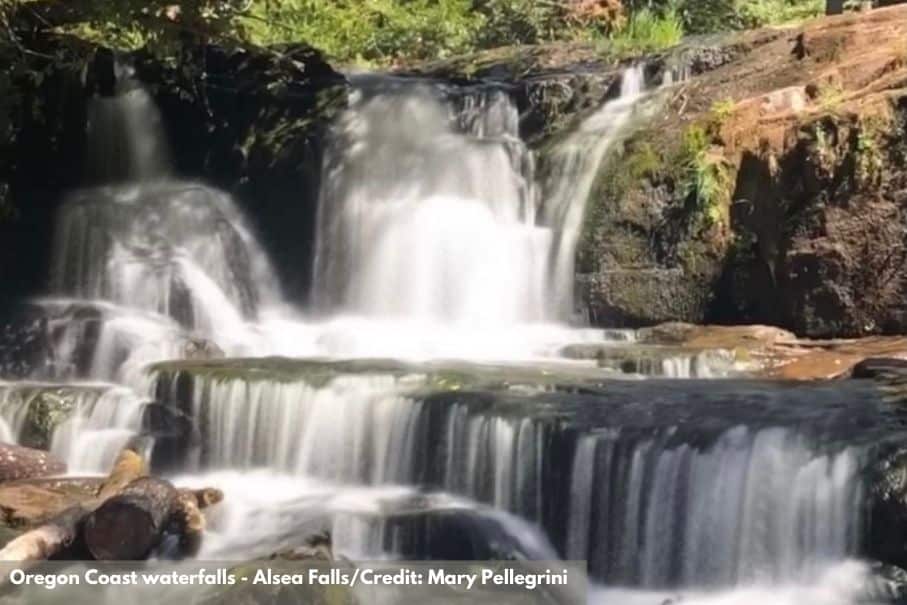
(886, 368)
(885, 584)
(200, 348)
(172, 435)
(887, 538)
(657, 360)
(25, 344)
(39, 409)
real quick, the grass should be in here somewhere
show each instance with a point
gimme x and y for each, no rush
(780, 12)
(647, 31)
(705, 175)
(723, 109)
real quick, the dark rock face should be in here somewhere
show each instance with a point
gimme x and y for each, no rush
(806, 228)
(887, 537)
(26, 347)
(826, 235)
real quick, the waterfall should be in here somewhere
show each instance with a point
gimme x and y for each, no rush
(179, 249)
(436, 238)
(427, 211)
(676, 505)
(124, 138)
(85, 424)
(573, 169)
(755, 506)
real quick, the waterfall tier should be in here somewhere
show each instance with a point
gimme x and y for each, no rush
(656, 484)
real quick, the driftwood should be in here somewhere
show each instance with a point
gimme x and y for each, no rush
(47, 539)
(18, 462)
(119, 517)
(189, 522)
(129, 525)
(128, 467)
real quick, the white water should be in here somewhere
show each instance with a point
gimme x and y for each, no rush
(125, 135)
(573, 174)
(423, 220)
(757, 506)
(434, 240)
(98, 420)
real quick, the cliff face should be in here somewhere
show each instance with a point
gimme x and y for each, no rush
(771, 189)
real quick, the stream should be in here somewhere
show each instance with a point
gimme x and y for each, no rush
(421, 405)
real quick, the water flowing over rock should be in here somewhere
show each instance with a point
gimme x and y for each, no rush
(428, 209)
(124, 137)
(694, 485)
(178, 249)
(86, 425)
(447, 229)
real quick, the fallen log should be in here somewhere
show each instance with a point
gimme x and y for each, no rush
(119, 517)
(29, 502)
(205, 497)
(129, 525)
(128, 467)
(18, 462)
(189, 522)
(46, 540)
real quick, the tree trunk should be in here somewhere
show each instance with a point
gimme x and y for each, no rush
(17, 462)
(47, 540)
(129, 525)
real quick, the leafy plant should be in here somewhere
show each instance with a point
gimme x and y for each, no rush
(723, 109)
(648, 31)
(869, 159)
(367, 31)
(705, 174)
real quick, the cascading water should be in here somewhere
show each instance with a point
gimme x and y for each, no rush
(665, 504)
(572, 176)
(124, 134)
(436, 239)
(427, 216)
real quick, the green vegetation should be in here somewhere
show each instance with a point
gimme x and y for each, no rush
(373, 31)
(390, 31)
(707, 16)
(869, 159)
(647, 31)
(722, 110)
(831, 96)
(705, 174)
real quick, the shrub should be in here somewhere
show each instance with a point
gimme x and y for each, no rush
(648, 31)
(370, 31)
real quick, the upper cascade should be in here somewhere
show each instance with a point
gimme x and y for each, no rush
(406, 230)
(125, 140)
(428, 209)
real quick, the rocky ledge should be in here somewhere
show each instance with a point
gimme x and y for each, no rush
(771, 189)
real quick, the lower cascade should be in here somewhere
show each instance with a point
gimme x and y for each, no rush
(433, 402)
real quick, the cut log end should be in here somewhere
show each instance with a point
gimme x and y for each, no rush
(129, 525)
